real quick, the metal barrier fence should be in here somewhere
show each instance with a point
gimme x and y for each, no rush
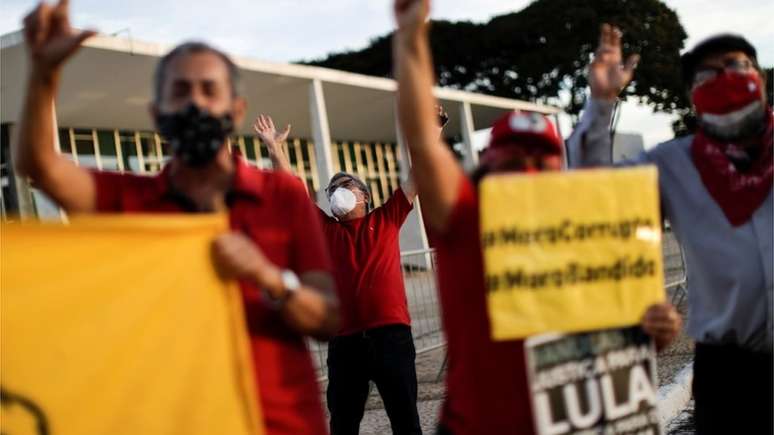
(424, 306)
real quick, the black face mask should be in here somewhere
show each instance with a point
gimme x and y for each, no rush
(194, 135)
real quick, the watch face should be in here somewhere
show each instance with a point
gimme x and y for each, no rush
(290, 280)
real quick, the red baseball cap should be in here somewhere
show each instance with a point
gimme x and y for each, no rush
(520, 132)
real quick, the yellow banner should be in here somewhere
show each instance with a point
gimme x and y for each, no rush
(573, 251)
(120, 325)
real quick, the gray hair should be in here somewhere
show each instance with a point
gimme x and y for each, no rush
(194, 47)
(360, 183)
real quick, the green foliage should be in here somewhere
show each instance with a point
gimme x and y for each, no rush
(542, 50)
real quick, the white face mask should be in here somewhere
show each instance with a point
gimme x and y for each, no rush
(342, 201)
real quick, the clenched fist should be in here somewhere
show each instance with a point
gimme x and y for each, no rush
(238, 257)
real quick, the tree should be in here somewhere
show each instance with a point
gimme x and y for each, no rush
(540, 53)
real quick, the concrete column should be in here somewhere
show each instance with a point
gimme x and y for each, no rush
(58, 147)
(321, 135)
(467, 127)
(565, 152)
(24, 201)
(412, 234)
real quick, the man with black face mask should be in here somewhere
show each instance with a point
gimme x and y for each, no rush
(716, 191)
(277, 254)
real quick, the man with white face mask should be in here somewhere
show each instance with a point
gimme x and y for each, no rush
(716, 191)
(374, 342)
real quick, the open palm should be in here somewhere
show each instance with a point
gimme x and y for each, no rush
(608, 76)
(264, 128)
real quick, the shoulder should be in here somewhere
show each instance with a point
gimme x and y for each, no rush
(126, 180)
(672, 148)
(278, 182)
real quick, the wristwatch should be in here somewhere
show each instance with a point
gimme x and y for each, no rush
(290, 283)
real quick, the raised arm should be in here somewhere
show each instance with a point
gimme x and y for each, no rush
(273, 139)
(435, 170)
(50, 42)
(590, 143)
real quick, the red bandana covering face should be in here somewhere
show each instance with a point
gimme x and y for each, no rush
(737, 193)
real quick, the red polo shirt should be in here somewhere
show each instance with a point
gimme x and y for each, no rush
(486, 382)
(366, 260)
(273, 209)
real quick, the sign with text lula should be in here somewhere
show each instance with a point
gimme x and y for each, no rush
(600, 383)
(568, 252)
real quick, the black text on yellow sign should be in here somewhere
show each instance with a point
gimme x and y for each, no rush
(573, 251)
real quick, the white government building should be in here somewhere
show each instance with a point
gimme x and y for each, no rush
(340, 120)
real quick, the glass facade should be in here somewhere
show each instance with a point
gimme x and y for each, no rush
(145, 152)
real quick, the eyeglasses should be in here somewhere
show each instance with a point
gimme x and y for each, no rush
(347, 184)
(706, 72)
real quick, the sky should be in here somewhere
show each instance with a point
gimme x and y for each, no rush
(291, 30)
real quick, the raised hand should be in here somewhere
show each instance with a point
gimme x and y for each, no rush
(608, 76)
(50, 38)
(411, 15)
(264, 128)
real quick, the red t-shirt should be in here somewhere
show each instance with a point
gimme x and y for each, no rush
(486, 382)
(273, 209)
(366, 262)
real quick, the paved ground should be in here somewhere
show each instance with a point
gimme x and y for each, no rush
(683, 424)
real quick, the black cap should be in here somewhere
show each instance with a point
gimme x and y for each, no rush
(717, 44)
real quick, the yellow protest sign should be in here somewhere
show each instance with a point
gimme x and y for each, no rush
(119, 325)
(572, 251)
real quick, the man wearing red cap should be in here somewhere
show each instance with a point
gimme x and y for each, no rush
(486, 385)
(716, 192)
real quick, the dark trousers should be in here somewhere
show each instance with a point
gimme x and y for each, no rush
(732, 390)
(384, 355)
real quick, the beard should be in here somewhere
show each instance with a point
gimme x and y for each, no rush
(741, 124)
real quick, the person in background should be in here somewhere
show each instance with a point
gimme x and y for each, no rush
(275, 249)
(486, 385)
(374, 342)
(716, 192)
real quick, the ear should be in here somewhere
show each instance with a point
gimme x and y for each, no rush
(153, 110)
(238, 110)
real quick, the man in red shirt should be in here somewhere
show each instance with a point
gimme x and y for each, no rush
(486, 385)
(374, 342)
(276, 249)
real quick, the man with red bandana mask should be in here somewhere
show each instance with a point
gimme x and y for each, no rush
(716, 191)
(486, 385)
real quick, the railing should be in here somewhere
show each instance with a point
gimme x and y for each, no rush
(675, 269)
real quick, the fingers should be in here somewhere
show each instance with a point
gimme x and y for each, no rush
(663, 312)
(37, 24)
(260, 124)
(662, 322)
(286, 131)
(402, 5)
(631, 63)
(609, 42)
(604, 31)
(232, 254)
(77, 41)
